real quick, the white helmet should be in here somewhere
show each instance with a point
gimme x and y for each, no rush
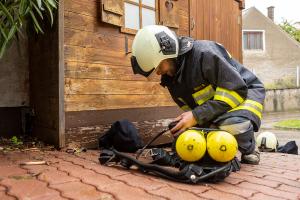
(151, 45)
(267, 141)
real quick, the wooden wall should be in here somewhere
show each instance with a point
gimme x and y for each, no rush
(99, 83)
(98, 75)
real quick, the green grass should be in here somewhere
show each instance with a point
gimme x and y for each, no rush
(289, 124)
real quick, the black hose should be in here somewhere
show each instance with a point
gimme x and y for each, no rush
(149, 143)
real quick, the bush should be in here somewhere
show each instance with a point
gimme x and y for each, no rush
(15, 13)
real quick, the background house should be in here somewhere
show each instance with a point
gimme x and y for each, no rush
(269, 51)
(79, 75)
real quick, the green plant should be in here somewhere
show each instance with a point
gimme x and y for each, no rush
(15, 13)
(282, 83)
(290, 29)
(16, 141)
(288, 124)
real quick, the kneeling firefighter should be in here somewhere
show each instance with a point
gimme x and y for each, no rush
(212, 88)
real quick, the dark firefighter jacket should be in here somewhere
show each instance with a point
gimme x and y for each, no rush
(214, 85)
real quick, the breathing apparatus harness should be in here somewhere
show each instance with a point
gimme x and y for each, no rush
(167, 164)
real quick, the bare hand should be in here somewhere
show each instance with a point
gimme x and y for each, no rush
(185, 121)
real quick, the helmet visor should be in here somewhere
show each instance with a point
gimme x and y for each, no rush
(137, 69)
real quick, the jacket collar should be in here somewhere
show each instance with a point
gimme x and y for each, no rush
(185, 45)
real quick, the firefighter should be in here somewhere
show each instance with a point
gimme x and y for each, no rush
(211, 87)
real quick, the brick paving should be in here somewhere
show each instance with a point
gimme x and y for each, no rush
(82, 177)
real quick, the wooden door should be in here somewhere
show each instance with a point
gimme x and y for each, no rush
(218, 20)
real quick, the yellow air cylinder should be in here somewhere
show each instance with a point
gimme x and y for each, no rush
(191, 145)
(221, 146)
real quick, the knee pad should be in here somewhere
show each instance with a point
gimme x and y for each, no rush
(237, 128)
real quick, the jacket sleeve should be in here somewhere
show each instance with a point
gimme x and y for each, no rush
(230, 88)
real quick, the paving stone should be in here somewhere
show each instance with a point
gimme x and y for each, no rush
(82, 177)
(90, 155)
(215, 194)
(268, 190)
(260, 196)
(2, 188)
(80, 191)
(35, 169)
(56, 177)
(252, 173)
(289, 189)
(110, 171)
(174, 194)
(12, 170)
(233, 181)
(255, 180)
(112, 186)
(142, 181)
(233, 189)
(30, 189)
(80, 161)
(196, 189)
(3, 196)
(283, 180)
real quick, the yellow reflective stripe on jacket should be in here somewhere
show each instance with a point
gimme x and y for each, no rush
(204, 95)
(253, 106)
(185, 107)
(228, 96)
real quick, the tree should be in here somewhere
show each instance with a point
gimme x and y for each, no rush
(290, 29)
(15, 13)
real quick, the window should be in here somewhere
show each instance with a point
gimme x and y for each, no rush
(253, 40)
(138, 13)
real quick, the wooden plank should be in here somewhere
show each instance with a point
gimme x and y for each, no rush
(79, 70)
(184, 18)
(85, 7)
(107, 102)
(200, 20)
(61, 85)
(77, 53)
(96, 40)
(91, 86)
(94, 117)
(89, 24)
(184, 21)
(44, 82)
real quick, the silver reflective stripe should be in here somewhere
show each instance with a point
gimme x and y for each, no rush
(253, 106)
(205, 96)
(235, 129)
(224, 94)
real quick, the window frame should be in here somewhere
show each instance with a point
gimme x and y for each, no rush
(263, 40)
(140, 5)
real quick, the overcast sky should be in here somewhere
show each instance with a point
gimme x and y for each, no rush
(287, 9)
